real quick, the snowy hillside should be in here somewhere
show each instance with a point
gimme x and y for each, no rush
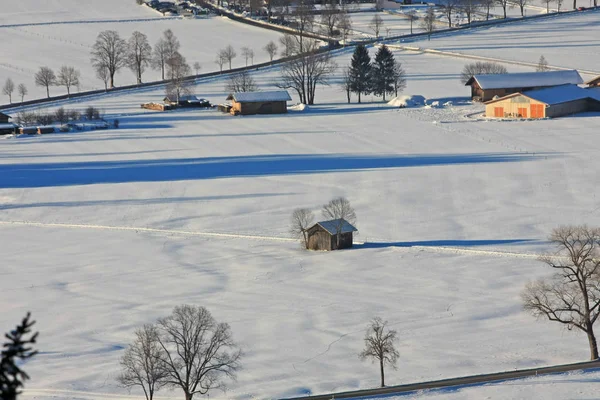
(104, 231)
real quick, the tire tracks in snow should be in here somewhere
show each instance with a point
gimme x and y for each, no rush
(229, 235)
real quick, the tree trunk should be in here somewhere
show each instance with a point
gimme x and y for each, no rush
(523, 9)
(359, 97)
(593, 344)
(112, 81)
(504, 8)
(382, 373)
(574, 4)
(348, 95)
(188, 396)
(48, 91)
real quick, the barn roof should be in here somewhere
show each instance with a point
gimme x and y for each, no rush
(4, 115)
(260, 97)
(332, 226)
(188, 98)
(556, 94)
(526, 79)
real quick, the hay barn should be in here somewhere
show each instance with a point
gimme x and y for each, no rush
(544, 103)
(248, 103)
(324, 235)
(486, 87)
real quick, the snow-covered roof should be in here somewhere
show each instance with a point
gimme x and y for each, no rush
(527, 79)
(556, 94)
(7, 126)
(188, 98)
(332, 226)
(259, 97)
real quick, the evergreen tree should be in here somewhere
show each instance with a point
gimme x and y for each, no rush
(360, 70)
(383, 72)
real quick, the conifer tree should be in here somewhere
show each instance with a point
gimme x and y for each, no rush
(383, 72)
(360, 70)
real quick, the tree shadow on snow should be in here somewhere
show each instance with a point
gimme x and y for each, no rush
(30, 175)
(443, 243)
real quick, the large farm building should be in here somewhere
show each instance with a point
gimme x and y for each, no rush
(551, 102)
(487, 87)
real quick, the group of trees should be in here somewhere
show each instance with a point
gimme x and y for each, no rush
(380, 76)
(338, 209)
(9, 88)
(67, 76)
(470, 7)
(188, 350)
(61, 116)
(111, 53)
(481, 68)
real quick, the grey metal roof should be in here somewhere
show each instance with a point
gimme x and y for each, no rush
(561, 94)
(259, 97)
(528, 79)
(332, 226)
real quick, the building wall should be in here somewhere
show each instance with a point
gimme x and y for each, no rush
(274, 107)
(572, 107)
(4, 118)
(515, 107)
(319, 240)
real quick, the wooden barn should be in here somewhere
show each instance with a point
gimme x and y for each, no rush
(594, 82)
(486, 87)
(4, 118)
(324, 235)
(544, 103)
(249, 103)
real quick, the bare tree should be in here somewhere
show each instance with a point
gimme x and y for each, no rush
(241, 82)
(15, 351)
(68, 77)
(380, 346)
(289, 45)
(197, 67)
(8, 89)
(229, 54)
(450, 7)
(340, 210)
(271, 49)
(505, 4)
(481, 68)
(248, 54)
(379, 5)
(572, 295)
(198, 351)
(22, 90)
(346, 83)
(344, 24)
(303, 18)
(470, 7)
(330, 13)
(103, 74)
(178, 69)
(302, 219)
(428, 22)
(559, 4)
(488, 4)
(221, 59)
(141, 363)
(45, 77)
(159, 57)
(542, 65)
(521, 4)
(411, 15)
(139, 54)
(547, 3)
(61, 116)
(305, 73)
(110, 51)
(399, 78)
(376, 24)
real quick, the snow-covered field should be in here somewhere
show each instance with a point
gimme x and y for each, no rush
(569, 41)
(104, 231)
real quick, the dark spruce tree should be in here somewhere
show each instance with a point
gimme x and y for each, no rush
(360, 70)
(16, 350)
(383, 72)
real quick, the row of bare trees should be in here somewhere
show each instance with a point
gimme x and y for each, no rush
(67, 76)
(9, 88)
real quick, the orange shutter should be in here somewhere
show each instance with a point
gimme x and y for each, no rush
(499, 112)
(523, 112)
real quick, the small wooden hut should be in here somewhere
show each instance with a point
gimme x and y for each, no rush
(249, 103)
(335, 234)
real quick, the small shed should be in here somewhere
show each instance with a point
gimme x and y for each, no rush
(544, 103)
(4, 118)
(324, 235)
(593, 82)
(187, 101)
(248, 103)
(486, 87)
